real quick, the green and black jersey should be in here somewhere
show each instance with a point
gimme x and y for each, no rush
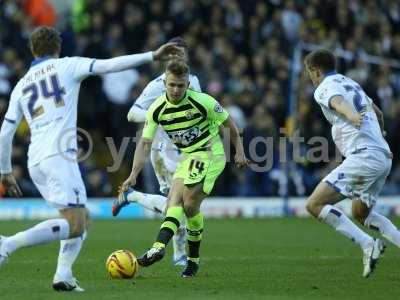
(190, 124)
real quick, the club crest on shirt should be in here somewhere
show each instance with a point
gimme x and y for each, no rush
(218, 108)
(189, 114)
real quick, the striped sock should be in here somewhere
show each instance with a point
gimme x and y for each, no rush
(170, 225)
(195, 227)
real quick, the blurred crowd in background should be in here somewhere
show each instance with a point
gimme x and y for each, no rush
(241, 52)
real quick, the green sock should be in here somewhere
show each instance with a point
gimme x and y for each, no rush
(170, 225)
(195, 227)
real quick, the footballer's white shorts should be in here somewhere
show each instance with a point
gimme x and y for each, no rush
(361, 175)
(59, 181)
(165, 157)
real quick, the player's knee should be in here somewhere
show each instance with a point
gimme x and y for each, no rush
(190, 209)
(77, 221)
(312, 207)
(174, 201)
(88, 221)
(360, 219)
(360, 212)
(76, 227)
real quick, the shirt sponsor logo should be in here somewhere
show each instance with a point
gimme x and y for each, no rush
(185, 137)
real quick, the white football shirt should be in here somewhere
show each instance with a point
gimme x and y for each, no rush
(346, 137)
(47, 96)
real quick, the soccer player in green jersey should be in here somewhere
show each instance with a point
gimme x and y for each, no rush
(192, 121)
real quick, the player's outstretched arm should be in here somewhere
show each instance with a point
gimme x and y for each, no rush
(142, 152)
(346, 110)
(240, 157)
(121, 63)
(136, 114)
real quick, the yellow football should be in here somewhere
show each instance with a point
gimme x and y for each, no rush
(122, 264)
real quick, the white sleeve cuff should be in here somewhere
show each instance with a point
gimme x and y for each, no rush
(151, 55)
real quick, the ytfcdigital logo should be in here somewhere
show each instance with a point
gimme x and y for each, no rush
(68, 147)
(314, 150)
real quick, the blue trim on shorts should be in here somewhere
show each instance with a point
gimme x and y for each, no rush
(334, 187)
(72, 150)
(358, 150)
(91, 66)
(9, 120)
(75, 205)
(138, 106)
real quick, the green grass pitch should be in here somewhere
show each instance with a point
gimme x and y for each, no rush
(241, 259)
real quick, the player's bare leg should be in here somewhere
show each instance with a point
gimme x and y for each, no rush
(373, 220)
(320, 205)
(173, 218)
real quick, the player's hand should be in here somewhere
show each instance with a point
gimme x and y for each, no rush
(168, 49)
(241, 161)
(10, 185)
(356, 119)
(130, 182)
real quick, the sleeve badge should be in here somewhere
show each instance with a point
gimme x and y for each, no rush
(218, 108)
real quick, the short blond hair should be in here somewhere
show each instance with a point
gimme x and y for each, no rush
(178, 67)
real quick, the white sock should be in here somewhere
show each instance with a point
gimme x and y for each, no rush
(42, 233)
(179, 240)
(384, 226)
(69, 251)
(153, 202)
(338, 220)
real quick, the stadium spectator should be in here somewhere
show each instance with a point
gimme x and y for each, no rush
(117, 88)
(41, 12)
